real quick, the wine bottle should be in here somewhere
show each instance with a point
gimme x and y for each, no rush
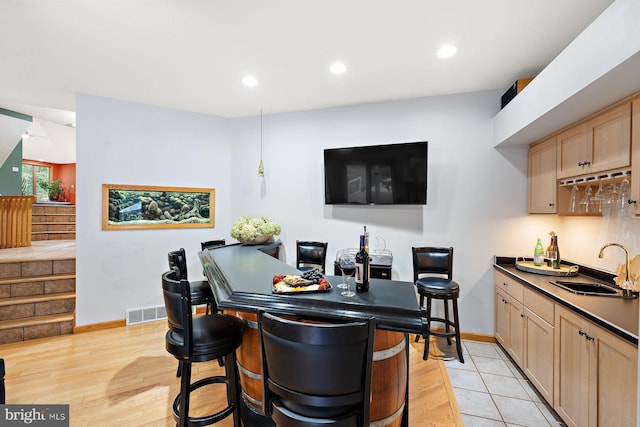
(362, 267)
(556, 252)
(538, 253)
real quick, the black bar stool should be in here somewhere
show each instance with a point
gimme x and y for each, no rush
(200, 339)
(430, 260)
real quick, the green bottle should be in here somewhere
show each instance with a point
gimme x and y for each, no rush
(538, 253)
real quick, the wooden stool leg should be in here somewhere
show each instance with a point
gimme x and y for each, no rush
(457, 323)
(446, 318)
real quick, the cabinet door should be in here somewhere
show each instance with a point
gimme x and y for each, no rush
(611, 133)
(617, 378)
(515, 344)
(572, 367)
(542, 177)
(502, 318)
(635, 152)
(574, 149)
(538, 357)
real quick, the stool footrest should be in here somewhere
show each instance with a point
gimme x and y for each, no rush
(208, 419)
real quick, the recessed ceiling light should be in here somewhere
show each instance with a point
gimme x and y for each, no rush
(249, 81)
(338, 68)
(447, 51)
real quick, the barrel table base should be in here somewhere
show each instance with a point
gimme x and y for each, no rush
(388, 376)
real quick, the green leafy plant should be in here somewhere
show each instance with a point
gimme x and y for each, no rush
(53, 188)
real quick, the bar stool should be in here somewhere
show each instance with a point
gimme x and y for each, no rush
(200, 339)
(430, 260)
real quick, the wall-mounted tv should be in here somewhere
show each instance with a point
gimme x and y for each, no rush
(391, 174)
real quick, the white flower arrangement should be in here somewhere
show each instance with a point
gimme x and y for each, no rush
(254, 230)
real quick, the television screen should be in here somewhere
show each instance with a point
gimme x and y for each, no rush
(376, 175)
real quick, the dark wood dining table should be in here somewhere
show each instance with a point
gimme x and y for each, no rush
(241, 278)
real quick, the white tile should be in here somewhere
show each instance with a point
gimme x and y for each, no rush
(469, 380)
(476, 403)
(514, 369)
(468, 364)
(531, 391)
(505, 386)
(492, 366)
(471, 421)
(552, 418)
(520, 412)
(476, 348)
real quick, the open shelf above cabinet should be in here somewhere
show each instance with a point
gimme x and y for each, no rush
(602, 194)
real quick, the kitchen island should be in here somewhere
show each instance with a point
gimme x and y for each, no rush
(242, 281)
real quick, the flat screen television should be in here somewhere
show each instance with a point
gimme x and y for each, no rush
(391, 174)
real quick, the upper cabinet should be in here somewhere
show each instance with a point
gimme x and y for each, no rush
(542, 177)
(634, 200)
(598, 144)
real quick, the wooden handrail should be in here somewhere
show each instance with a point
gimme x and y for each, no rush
(15, 221)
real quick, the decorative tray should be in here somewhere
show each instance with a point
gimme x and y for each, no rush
(530, 267)
(295, 285)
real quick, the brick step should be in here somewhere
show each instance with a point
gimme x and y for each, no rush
(53, 226)
(35, 299)
(53, 235)
(20, 270)
(29, 328)
(31, 279)
(53, 218)
(47, 210)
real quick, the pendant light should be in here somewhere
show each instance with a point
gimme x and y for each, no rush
(261, 166)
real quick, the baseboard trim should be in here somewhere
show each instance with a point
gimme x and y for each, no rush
(472, 336)
(99, 326)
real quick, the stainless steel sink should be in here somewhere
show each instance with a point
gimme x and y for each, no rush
(588, 288)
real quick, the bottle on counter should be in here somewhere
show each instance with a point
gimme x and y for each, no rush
(555, 261)
(362, 267)
(549, 254)
(538, 254)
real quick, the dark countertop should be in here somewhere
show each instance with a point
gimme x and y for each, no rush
(618, 315)
(242, 279)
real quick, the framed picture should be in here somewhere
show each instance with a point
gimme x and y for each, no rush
(135, 207)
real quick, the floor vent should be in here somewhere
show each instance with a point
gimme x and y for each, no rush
(145, 314)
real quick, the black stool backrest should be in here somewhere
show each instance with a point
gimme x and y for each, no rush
(178, 259)
(311, 253)
(177, 303)
(317, 369)
(432, 260)
(212, 244)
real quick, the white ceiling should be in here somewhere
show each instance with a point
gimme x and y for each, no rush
(192, 54)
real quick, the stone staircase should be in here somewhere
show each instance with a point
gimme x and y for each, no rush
(37, 299)
(53, 222)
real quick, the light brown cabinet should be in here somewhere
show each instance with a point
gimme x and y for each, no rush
(542, 177)
(635, 156)
(510, 316)
(601, 143)
(539, 342)
(595, 373)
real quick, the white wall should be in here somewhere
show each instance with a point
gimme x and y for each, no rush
(476, 194)
(125, 143)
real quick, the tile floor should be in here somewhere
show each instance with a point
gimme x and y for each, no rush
(491, 390)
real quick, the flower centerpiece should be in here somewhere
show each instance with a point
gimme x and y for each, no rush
(254, 231)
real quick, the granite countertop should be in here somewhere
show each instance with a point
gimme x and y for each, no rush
(618, 315)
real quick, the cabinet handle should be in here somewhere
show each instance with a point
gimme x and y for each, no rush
(585, 163)
(631, 202)
(551, 205)
(589, 338)
(582, 333)
(521, 314)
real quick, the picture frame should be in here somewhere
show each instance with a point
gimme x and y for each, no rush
(136, 207)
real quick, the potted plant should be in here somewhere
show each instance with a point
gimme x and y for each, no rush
(254, 231)
(53, 188)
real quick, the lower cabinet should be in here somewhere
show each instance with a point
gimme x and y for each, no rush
(538, 357)
(595, 373)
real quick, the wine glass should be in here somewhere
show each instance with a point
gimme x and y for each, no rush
(344, 284)
(347, 263)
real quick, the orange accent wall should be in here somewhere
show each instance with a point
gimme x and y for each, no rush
(65, 172)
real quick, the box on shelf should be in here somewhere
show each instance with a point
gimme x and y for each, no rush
(515, 89)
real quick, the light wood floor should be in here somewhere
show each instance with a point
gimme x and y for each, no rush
(40, 250)
(124, 377)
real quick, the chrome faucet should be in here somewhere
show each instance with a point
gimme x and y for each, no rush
(625, 291)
